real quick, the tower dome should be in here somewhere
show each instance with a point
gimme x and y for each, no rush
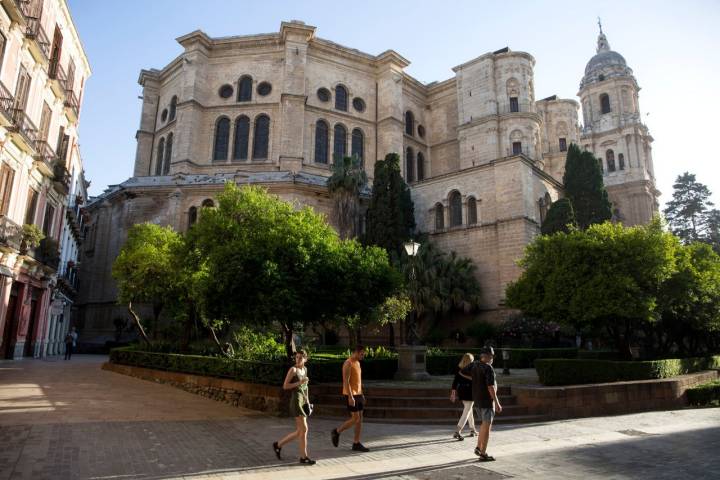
(605, 64)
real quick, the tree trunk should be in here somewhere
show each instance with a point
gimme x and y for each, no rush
(157, 309)
(289, 340)
(189, 324)
(138, 324)
(391, 339)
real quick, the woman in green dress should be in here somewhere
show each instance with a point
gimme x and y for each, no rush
(297, 380)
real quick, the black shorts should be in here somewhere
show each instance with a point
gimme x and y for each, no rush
(359, 403)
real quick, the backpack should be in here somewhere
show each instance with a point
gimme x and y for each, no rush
(68, 338)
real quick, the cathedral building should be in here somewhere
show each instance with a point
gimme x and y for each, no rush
(483, 157)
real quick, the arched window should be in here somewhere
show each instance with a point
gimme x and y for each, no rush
(341, 98)
(439, 216)
(610, 159)
(262, 137)
(245, 88)
(340, 142)
(222, 139)
(242, 138)
(471, 211)
(358, 145)
(208, 203)
(173, 108)
(192, 216)
(160, 157)
(621, 161)
(409, 165)
(321, 142)
(605, 103)
(455, 202)
(420, 166)
(168, 154)
(409, 123)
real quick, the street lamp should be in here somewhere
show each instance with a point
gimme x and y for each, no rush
(411, 248)
(505, 357)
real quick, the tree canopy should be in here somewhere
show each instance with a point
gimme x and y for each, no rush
(690, 214)
(584, 188)
(390, 214)
(345, 184)
(560, 217)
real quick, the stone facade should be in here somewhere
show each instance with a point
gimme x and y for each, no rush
(483, 157)
(43, 69)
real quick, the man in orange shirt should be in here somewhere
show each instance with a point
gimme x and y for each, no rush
(354, 398)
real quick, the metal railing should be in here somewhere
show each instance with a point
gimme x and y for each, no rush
(35, 31)
(45, 154)
(524, 150)
(7, 100)
(24, 126)
(71, 101)
(57, 72)
(61, 178)
(10, 232)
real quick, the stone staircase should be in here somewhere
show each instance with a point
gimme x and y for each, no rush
(427, 406)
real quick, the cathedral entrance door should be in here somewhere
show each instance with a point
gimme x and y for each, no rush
(32, 327)
(10, 330)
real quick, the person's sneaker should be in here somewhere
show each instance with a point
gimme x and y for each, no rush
(478, 452)
(335, 437)
(484, 457)
(359, 447)
(277, 450)
(473, 434)
(307, 461)
(458, 436)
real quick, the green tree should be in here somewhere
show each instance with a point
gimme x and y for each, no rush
(689, 303)
(262, 261)
(390, 215)
(146, 270)
(584, 188)
(345, 184)
(687, 212)
(608, 276)
(713, 229)
(437, 283)
(560, 217)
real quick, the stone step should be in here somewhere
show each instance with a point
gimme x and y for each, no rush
(382, 391)
(500, 419)
(407, 402)
(392, 414)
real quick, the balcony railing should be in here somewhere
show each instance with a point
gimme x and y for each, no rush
(519, 107)
(524, 150)
(24, 126)
(69, 278)
(10, 233)
(46, 156)
(6, 102)
(35, 31)
(57, 72)
(71, 102)
(46, 253)
(61, 178)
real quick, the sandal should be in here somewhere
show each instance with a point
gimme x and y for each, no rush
(277, 450)
(458, 436)
(307, 461)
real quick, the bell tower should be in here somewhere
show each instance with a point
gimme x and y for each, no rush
(614, 132)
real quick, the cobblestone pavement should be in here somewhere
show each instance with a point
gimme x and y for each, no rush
(71, 420)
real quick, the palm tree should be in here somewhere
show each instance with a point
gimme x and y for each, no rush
(345, 183)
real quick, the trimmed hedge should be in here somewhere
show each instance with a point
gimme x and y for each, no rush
(446, 363)
(319, 370)
(574, 372)
(705, 394)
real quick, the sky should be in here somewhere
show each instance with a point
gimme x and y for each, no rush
(671, 46)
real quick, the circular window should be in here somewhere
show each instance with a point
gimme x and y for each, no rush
(323, 94)
(264, 88)
(226, 91)
(421, 131)
(359, 104)
(164, 114)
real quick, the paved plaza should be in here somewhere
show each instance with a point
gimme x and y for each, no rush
(72, 420)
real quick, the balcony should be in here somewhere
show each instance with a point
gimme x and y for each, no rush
(40, 45)
(72, 106)
(524, 150)
(58, 78)
(45, 158)
(516, 107)
(6, 105)
(10, 233)
(23, 130)
(74, 222)
(18, 10)
(46, 253)
(61, 178)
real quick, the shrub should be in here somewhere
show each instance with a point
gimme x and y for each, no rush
(705, 394)
(572, 372)
(482, 332)
(444, 362)
(257, 346)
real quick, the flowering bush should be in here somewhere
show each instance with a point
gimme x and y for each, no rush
(527, 328)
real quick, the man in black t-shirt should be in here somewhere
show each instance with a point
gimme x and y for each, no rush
(484, 389)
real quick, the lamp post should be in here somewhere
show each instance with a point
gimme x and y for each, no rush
(505, 357)
(411, 357)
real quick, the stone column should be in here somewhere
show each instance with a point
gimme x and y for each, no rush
(146, 133)
(390, 114)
